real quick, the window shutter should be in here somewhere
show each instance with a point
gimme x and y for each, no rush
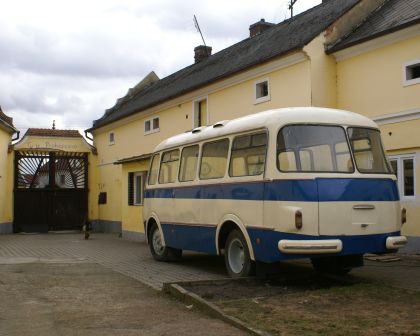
(130, 188)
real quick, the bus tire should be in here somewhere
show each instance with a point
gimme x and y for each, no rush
(158, 251)
(237, 258)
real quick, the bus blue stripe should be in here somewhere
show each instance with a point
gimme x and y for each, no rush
(320, 189)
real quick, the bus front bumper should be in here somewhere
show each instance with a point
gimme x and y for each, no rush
(326, 246)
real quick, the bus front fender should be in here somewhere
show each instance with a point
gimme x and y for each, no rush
(155, 218)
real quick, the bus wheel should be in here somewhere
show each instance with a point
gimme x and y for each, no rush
(160, 252)
(237, 259)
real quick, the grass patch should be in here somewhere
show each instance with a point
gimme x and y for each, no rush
(359, 309)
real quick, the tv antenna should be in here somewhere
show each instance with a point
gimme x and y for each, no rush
(197, 26)
(291, 4)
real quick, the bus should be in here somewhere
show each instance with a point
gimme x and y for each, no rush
(272, 186)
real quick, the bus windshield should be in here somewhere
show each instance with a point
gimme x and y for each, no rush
(368, 151)
(313, 148)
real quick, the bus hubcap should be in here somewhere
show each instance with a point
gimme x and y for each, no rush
(236, 256)
(157, 242)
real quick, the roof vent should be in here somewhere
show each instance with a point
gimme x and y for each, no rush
(220, 123)
(198, 129)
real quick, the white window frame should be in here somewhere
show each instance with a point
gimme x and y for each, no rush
(400, 177)
(264, 98)
(195, 111)
(111, 141)
(152, 130)
(142, 177)
(408, 82)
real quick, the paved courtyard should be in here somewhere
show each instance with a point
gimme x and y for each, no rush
(129, 258)
(133, 259)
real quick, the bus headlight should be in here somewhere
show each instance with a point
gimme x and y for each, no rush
(403, 216)
(298, 220)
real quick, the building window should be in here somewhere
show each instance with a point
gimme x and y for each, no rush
(262, 91)
(136, 188)
(151, 125)
(411, 72)
(404, 170)
(111, 138)
(200, 115)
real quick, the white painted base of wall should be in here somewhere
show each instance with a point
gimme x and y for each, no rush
(413, 245)
(106, 226)
(134, 236)
(6, 228)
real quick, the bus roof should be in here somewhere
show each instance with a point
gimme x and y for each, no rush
(268, 119)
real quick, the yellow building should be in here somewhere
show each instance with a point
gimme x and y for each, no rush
(378, 75)
(277, 66)
(6, 133)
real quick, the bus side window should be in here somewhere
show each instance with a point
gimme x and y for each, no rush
(154, 167)
(189, 159)
(214, 159)
(248, 155)
(169, 166)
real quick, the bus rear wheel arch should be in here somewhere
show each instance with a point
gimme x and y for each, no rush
(159, 251)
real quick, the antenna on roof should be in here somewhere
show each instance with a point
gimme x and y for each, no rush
(291, 4)
(197, 26)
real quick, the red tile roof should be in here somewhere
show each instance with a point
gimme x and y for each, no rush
(53, 133)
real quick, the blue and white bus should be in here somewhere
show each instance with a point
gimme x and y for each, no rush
(276, 185)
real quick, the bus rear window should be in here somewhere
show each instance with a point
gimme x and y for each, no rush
(313, 148)
(368, 151)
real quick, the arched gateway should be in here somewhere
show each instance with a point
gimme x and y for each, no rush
(51, 181)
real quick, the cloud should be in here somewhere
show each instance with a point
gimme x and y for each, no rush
(69, 61)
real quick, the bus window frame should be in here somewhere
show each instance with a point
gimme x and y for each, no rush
(150, 169)
(229, 139)
(249, 133)
(198, 144)
(390, 171)
(161, 161)
(298, 164)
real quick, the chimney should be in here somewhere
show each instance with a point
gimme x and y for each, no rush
(201, 52)
(259, 27)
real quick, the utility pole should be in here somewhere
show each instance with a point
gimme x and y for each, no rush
(291, 4)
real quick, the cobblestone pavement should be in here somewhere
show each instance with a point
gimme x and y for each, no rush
(129, 258)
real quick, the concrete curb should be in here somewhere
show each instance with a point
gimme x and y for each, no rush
(175, 289)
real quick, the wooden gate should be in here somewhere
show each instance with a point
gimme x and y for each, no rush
(50, 192)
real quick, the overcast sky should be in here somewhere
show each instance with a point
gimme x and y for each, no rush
(70, 60)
